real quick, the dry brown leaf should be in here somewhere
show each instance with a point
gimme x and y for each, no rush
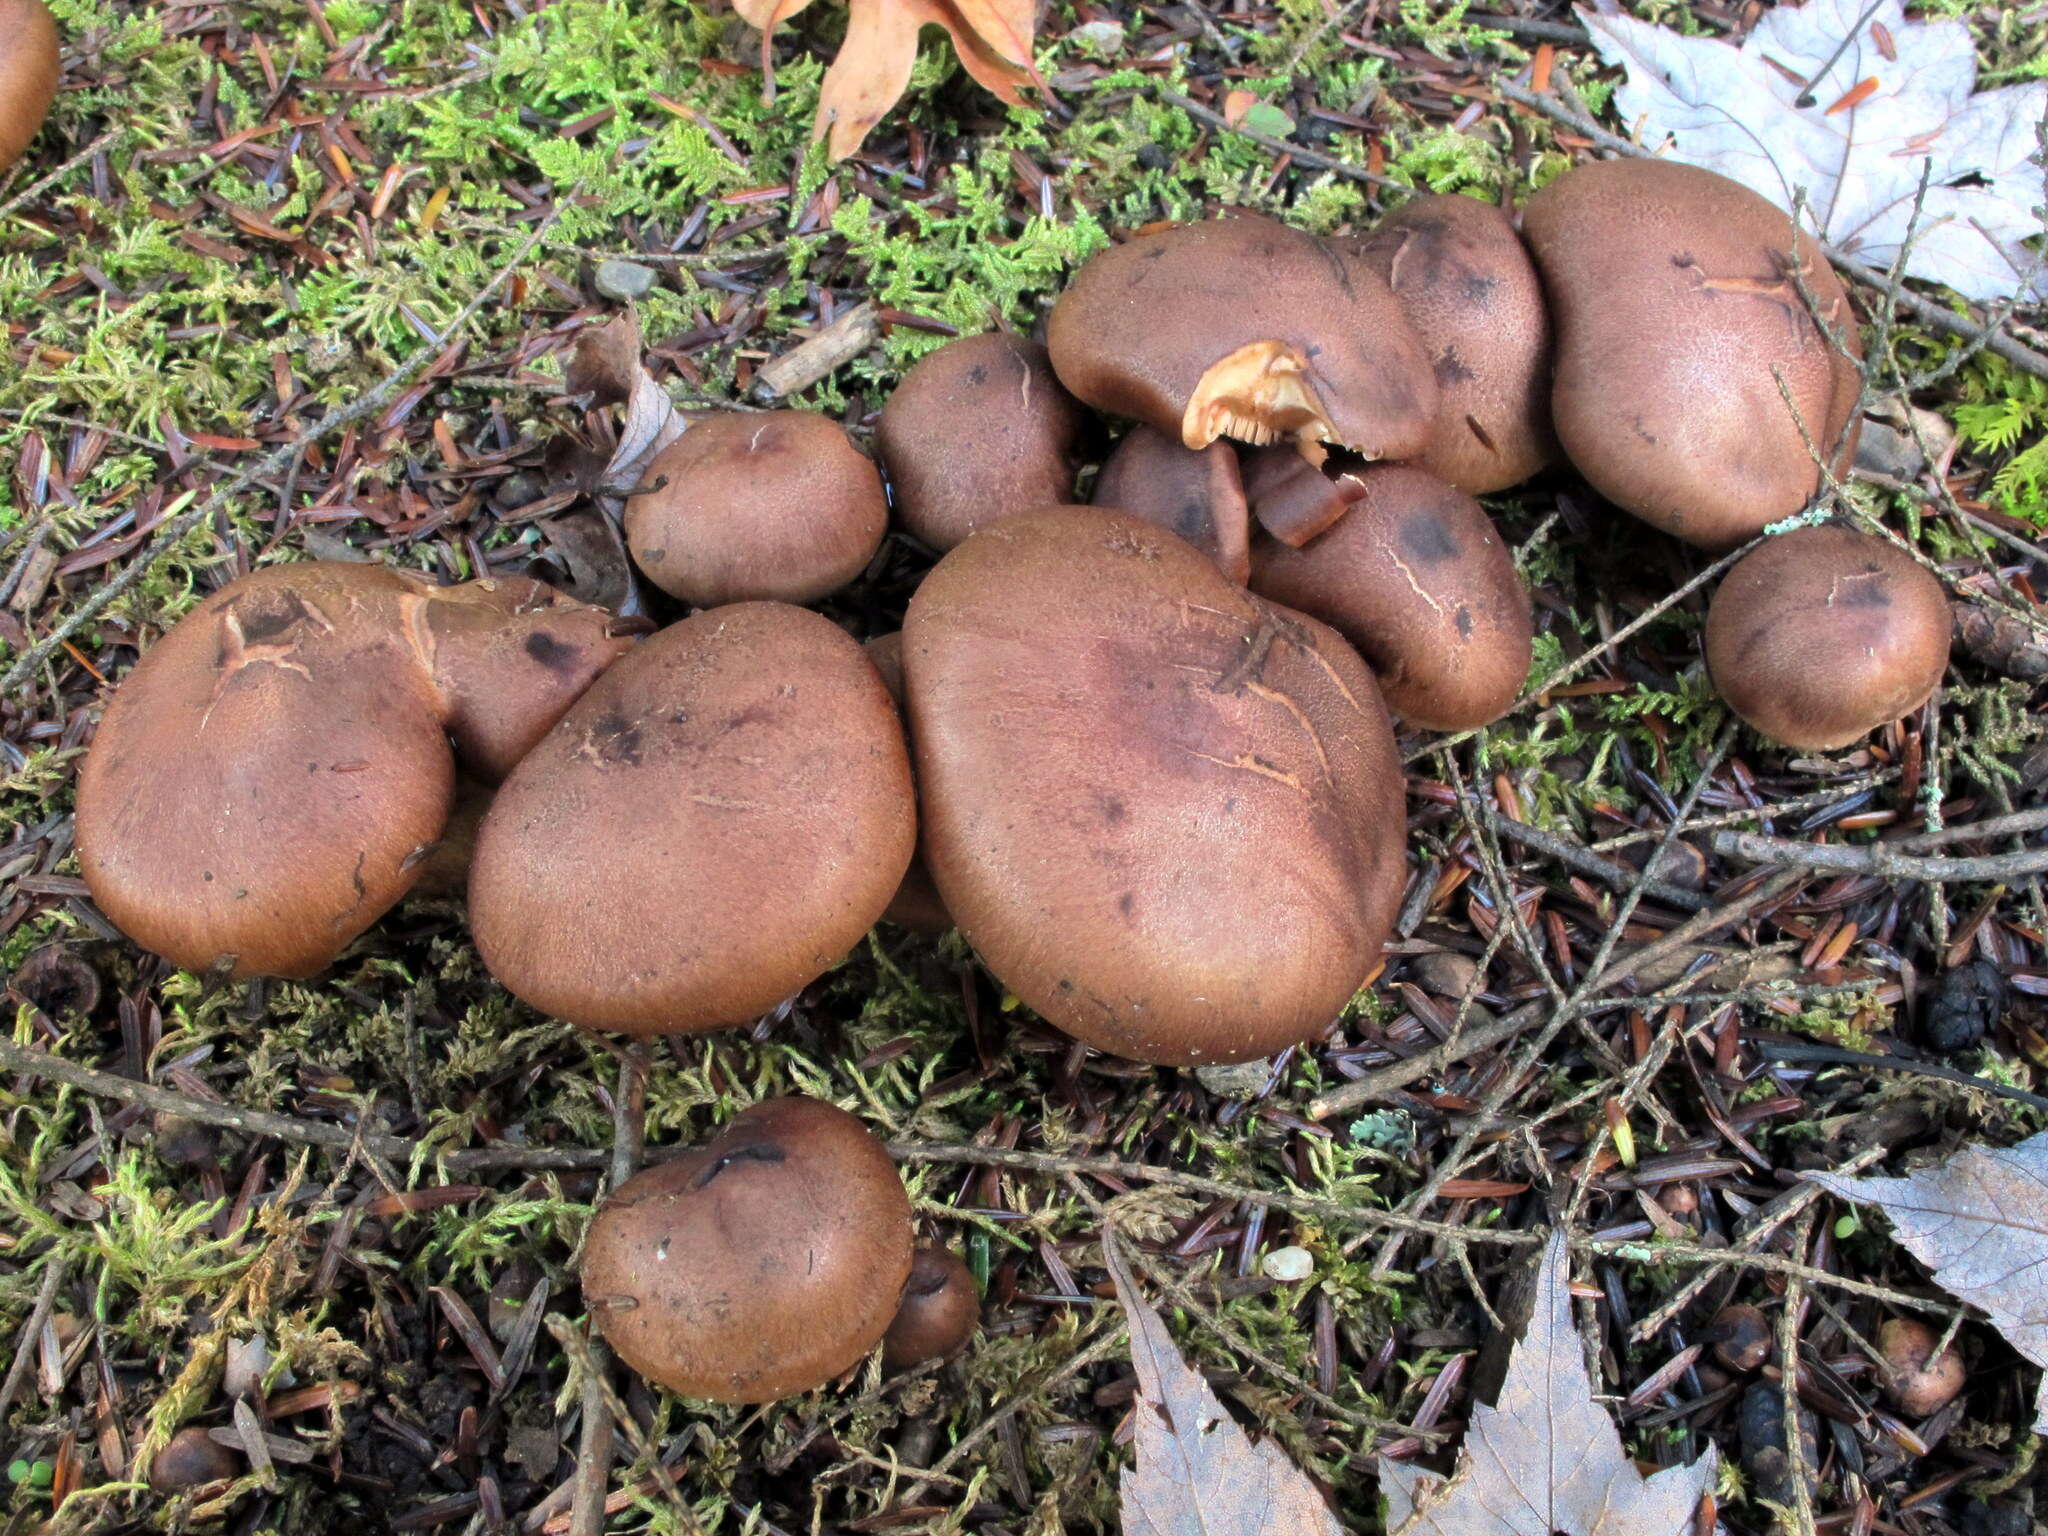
(1980, 1222)
(1198, 1473)
(607, 367)
(1545, 1458)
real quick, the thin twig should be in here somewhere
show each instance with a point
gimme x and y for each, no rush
(25, 1350)
(1798, 1051)
(1573, 856)
(79, 158)
(1300, 154)
(1875, 859)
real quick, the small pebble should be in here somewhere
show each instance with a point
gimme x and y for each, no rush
(1288, 1265)
(1885, 450)
(1237, 1080)
(1445, 973)
(623, 280)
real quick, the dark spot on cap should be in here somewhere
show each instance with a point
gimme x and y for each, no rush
(269, 624)
(1464, 622)
(1450, 368)
(1426, 539)
(1113, 809)
(1867, 594)
(1191, 519)
(1127, 903)
(617, 740)
(550, 652)
(753, 1152)
(1479, 287)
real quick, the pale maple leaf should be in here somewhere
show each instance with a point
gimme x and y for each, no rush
(1545, 1457)
(1980, 1222)
(1197, 1472)
(872, 68)
(1898, 98)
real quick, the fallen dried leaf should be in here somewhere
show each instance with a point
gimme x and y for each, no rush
(1545, 1458)
(1980, 1222)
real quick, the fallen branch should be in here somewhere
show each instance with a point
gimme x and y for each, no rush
(1574, 856)
(1876, 859)
(1799, 1051)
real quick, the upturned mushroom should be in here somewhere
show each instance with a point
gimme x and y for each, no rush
(764, 506)
(763, 1264)
(939, 1311)
(1467, 286)
(1294, 500)
(1167, 814)
(1823, 634)
(29, 67)
(978, 429)
(711, 827)
(269, 779)
(1676, 298)
(1193, 492)
(1417, 578)
(917, 904)
(1243, 327)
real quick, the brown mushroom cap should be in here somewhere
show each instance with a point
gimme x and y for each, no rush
(1167, 814)
(917, 904)
(1295, 500)
(1674, 300)
(267, 780)
(758, 506)
(938, 1314)
(191, 1459)
(1194, 492)
(1917, 1381)
(1824, 634)
(760, 1265)
(1467, 286)
(711, 827)
(1418, 579)
(1243, 327)
(29, 66)
(978, 429)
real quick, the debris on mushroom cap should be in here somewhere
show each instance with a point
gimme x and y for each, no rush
(191, 1459)
(1466, 283)
(1167, 814)
(29, 67)
(1675, 294)
(760, 1265)
(1823, 634)
(1194, 492)
(938, 1314)
(266, 781)
(917, 904)
(978, 429)
(1418, 579)
(758, 506)
(712, 826)
(1243, 327)
(1295, 500)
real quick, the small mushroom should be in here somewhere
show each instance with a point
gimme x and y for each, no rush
(191, 1459)
(1417, 579)
(1675, 295)
(1295, 500)
(1469, 289)
(268, 779)
(711, 827)
(1741, 1336)
(1167, 814)
(763, 1264)
(29, 66)
(917, 904)
(1194, 492)
(976, 430)
(939, 1311)
(1243, 327)
(771, 505)
(1917, 1381)
(1824, 634)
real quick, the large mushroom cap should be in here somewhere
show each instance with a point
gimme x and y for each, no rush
(1194, 492)
(1823, 634)
(1245, 328)
(763, 1264)
(1677, 310)
(1467, 286)
(1168, 814)
(1418, 579)
(29, 66)
(711, 827)
(938, 1314)
(758, 506)
(978, 429)
(267, 781)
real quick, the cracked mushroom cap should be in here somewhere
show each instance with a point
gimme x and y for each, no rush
(711, 827)
(1243, 327)
(763, 1264)
(1419, 580)
(938, 1314)
(978, 429)
(917, 904)
(1466, 283)
(1675, 295)
(1167, 813)
(1194, 492)
(1823, 634)
(29, 67)
(269, 779)
(758, 506)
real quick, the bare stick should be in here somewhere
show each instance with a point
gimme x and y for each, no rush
(78, 159)
(1876, 859)
(1798, 1051)
(1587, 862)
(25, 1351)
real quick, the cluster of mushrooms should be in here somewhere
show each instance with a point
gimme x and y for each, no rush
(1140, 752)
